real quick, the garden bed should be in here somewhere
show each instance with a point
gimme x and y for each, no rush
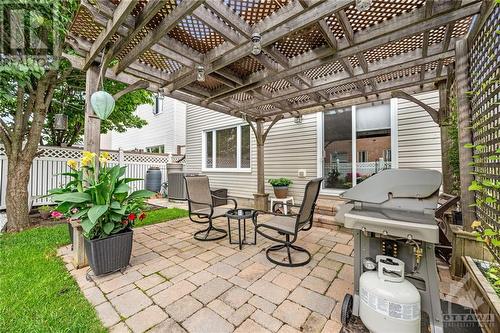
(481, 293)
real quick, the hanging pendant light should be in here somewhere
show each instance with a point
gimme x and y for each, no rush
(256, 46)
(200, 73)
(60, 122)
(102, 104)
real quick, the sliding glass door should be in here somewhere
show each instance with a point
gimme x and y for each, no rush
(356, 144)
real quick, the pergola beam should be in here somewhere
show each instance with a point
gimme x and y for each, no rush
(149, 11)
(168, 23)
(398, 28)
(141, 84)
(389, 65)
(121, 12)
(357, 100)
(430, 110)
(237, 33)
(281, 28)
(387, 87)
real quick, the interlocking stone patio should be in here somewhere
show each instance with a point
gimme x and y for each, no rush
(178, 284)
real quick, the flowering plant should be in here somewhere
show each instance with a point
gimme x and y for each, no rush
(98, 195)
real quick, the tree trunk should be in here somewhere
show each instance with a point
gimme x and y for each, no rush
(17, 195)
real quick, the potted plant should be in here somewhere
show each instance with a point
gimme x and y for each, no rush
(280, 187)
(45, 211)
(99, 198)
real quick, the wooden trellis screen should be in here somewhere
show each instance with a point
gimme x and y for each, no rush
(484, 60)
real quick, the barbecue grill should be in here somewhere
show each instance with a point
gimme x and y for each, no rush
(392, 214)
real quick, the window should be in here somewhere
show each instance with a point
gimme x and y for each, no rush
(356, 144)
(158, 107)
(387, 155)
(338, 146)
(227, 149)
(160, 149)
(362, 156)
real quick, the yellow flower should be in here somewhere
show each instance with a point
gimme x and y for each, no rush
(88, 155)
(103, 160)
(73, 164)
(105, 156)
(86, 161)
(476, 224)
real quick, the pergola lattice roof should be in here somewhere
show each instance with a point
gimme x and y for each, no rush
(314, 53)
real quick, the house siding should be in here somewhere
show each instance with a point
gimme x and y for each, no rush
(419, 137)
(167, 128)
(289, 148)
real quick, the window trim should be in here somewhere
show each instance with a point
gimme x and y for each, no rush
(238, 168)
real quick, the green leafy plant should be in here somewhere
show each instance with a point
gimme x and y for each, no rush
(45, 209)
(280, 182)
(100, 198)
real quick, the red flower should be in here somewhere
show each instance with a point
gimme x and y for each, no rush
(131, 216)
(142, 216)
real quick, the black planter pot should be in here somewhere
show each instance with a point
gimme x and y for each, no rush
(457, 218)
(70, 231)
(109, 254)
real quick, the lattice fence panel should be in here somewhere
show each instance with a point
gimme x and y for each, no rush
(51, 162)
(485, 91)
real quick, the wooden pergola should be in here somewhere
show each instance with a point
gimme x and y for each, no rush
(264, 60)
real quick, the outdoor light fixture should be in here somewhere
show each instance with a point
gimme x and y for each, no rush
(244, 116)
(200, 73)
(60, 122)
(298, 119)
(256, 46)
(363, 5)
(102, 104)
(159, 95)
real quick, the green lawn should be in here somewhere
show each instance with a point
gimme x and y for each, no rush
(162, 214)
(37, 294)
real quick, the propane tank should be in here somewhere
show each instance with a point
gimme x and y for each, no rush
(388, 302)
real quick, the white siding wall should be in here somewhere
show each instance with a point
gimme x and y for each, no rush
(419, 137)
(289, 147)
(166, 128)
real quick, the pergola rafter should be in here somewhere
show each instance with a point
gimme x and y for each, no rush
(310, 49)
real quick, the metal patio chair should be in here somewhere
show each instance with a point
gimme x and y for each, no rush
(202, 209)
(289, 226)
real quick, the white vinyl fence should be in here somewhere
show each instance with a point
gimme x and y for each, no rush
(51, 162)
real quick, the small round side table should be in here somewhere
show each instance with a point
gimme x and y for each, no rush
(240, 214)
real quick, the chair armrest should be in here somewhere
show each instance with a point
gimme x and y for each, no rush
(284, 204)
(227, 198)
(263, 212)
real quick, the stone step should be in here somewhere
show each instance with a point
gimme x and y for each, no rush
(328, 205)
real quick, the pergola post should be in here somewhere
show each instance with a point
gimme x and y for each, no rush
(92, 132)
(445, 140)
(261, 197)
(464, 132)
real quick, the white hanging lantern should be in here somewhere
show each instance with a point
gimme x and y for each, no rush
(102, 104)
